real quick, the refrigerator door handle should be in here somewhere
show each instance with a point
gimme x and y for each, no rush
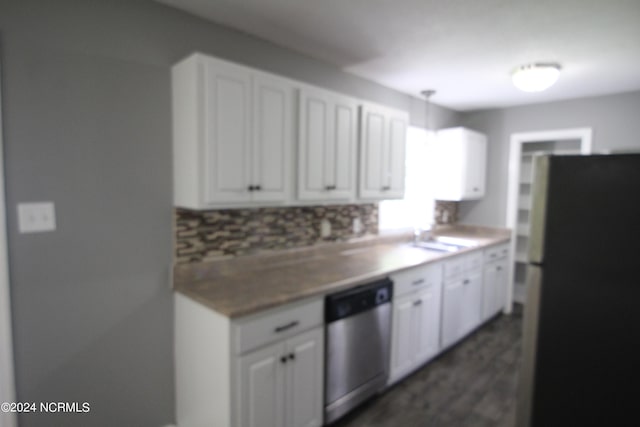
(538, 208)
(529, 344)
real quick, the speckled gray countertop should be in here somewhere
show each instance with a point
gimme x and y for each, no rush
(246, 285)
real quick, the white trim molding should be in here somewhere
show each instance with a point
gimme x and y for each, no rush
(7, 379)
(518, 140)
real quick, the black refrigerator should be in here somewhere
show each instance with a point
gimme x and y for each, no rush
(581, 338)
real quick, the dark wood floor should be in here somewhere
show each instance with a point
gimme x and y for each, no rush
(471, 385)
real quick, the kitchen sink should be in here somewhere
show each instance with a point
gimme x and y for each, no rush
(445, 244)
(438, 246)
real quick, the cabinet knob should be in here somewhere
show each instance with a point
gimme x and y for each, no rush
(499, 268)
(250, 188)
(466, 282)
(292, 356)
(257, 188)
(476, 189)
(283, 359)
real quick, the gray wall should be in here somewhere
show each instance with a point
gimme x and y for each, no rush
(613, 118)
(87, 125)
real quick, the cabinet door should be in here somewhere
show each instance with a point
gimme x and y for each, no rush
(382, 152)
(427, 318)
(315, 112)
(373, 144)
(494, 286)
(475, 167)
(227, 133)
(261, 388)
(402, 344)
(472, 301)
(453, 305)
(272, 135)
(340, 170)
(397, 156)
(305, 380)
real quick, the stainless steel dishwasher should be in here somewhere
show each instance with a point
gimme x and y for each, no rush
(357, 346)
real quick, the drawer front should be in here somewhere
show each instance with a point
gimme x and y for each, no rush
(257, 330)
(474, 260)
(416, 278)
(455, 267)
(496, 252)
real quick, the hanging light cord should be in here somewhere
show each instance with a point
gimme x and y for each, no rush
(428, 94)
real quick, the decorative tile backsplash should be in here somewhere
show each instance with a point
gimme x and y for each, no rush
(218, 234)
(445, 212)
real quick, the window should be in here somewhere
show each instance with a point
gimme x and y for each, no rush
(416, 209)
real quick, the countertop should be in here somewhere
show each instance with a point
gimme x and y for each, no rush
(247, 285)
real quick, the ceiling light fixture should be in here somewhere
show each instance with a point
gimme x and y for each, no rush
(535, 77)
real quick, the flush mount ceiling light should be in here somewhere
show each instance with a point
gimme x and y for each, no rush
(535, 77)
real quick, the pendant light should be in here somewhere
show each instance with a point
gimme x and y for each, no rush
(427, 93)
(535, 77)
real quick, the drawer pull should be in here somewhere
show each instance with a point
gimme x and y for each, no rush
(417, 282)
(418, 302)
(286, 327)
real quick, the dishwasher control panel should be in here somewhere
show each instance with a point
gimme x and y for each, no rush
(359, 299)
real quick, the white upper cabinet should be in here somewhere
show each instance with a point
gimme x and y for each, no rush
(460, 164)
(327, 145)
(382, 152)
(232, 134)
(273, 128)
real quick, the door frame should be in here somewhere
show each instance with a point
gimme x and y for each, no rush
(518, 140)
(7, 379)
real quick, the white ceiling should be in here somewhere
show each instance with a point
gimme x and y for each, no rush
(464, 49)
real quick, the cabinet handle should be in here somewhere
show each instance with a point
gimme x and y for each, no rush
(329, 187)
(257, 188)
(251, 188)
(499, 268)
(283, 359)
(475, 189)
(417, 303)
(493, 255)
(385, 188)
(292, 356)
(417, 282)
(286, 327)
(466, 282)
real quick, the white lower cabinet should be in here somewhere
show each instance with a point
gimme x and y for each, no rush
(462, 297)
(281, 385)
(416, 319)
(495, 281)
(263, 370)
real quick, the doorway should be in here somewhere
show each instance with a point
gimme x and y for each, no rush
(524, 147)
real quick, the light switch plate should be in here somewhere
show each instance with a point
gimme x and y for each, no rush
(36, 217)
